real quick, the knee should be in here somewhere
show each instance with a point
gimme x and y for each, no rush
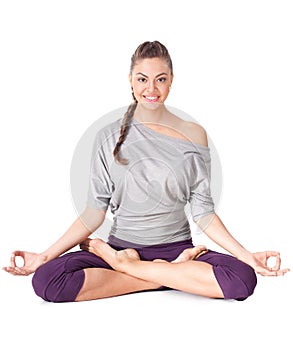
(245, 283)
(239, 282)
(56, 286)
(43, 284)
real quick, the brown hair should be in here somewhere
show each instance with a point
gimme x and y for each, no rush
(148, 49)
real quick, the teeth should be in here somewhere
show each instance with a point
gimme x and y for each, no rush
(151, 98)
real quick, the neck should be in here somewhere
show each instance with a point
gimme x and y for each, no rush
(143, 114)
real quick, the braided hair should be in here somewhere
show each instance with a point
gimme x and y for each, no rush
(147, 49)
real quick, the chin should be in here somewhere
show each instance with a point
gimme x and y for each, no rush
(152, 106)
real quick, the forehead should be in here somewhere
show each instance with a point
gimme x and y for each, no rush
(151, 66)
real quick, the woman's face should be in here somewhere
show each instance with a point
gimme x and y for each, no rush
(151, 79)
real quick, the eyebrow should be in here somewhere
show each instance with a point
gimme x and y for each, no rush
(158, 75)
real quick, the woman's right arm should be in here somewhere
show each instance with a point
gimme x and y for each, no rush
(82, 227)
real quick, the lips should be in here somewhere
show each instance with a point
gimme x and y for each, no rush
(151, 99)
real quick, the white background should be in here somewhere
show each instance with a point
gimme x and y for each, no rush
(64, 64)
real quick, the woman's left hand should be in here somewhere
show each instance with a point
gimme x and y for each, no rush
(260, 264)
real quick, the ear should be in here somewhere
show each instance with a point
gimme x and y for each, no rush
(130, 78)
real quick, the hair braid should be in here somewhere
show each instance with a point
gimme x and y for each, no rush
(123, 131)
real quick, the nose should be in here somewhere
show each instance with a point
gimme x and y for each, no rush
(151, 86)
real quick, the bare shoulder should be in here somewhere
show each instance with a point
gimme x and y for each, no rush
(196, 133)
(186, 129)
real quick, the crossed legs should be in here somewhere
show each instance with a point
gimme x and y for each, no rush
(130, 274)
(99, 271)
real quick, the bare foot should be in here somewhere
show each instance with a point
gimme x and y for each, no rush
(191, 254)
(116, 259)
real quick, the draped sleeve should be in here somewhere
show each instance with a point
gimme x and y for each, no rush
(100, 184)
(200, 199)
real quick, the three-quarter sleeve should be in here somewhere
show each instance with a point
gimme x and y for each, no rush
(201, 201)
(100, 185)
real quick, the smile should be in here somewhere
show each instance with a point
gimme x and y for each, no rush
(151, 99)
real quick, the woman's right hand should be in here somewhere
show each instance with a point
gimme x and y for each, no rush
(31, 261)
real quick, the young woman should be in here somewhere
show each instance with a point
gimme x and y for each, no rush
(146, 166)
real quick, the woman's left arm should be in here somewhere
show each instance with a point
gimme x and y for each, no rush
(214, 228)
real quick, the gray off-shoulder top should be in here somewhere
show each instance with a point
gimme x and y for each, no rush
(148, 196)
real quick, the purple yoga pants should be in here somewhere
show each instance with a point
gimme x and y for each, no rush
(61, 279)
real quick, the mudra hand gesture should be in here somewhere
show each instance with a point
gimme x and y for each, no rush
(261, 266)
(31, 261)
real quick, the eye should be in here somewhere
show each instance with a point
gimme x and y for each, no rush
(162, 80)
(142, 80)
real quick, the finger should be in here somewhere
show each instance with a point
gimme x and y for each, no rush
(18, 253)
(21, 271)
(16, 271)
(265, 271)
(277, 265)
(268, 272)
(14, 255)
(276, 255)
(12, 260)
(282, 272)
(271, 253)
(9, 270)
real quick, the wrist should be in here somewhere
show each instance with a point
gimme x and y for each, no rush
(44, 257)
(247, 257)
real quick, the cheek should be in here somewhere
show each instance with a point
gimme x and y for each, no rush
(137, 88)
(165, 91)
